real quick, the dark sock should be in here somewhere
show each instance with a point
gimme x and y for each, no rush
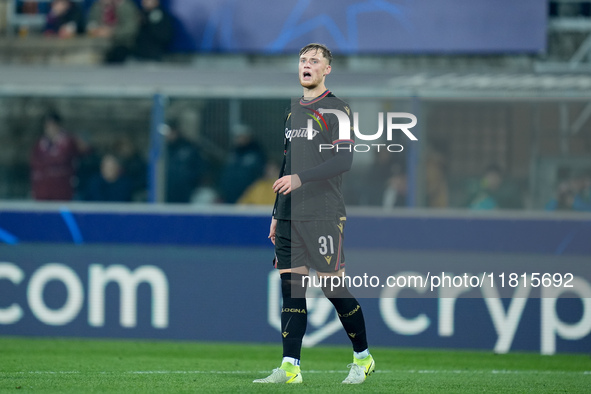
(294, 316)
(350, 314)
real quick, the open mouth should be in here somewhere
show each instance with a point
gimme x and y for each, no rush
(306, 75)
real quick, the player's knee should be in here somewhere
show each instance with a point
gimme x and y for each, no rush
(292, 285)
(336, 292)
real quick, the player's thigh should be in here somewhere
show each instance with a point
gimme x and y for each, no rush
(302, 270)
(289, 249)
(340, 272)
(323, 240)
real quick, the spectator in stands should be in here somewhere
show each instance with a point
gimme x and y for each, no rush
(494, 192)
(184, 166)
(155, 32)
(134, 166)
(564, 199)
(111, 184)
(117, 20)
(261, 192)
(384, 183)
(52, 161)
(573, 193)
(88, 165)
(436, 163)
(64, 20)
(31, 7)
(245, 164)
(582, 192)
(395, 192)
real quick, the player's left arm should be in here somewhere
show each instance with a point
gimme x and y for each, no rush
(341, 162)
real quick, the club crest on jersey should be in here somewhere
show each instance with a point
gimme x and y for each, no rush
(317, 116)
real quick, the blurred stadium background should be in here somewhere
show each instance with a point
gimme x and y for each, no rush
(502, 168)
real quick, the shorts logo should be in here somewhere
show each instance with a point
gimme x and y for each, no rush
(340, 226)
(285, 334)
(328, 258)
(352, 334)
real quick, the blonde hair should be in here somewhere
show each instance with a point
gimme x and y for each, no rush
(318, 47)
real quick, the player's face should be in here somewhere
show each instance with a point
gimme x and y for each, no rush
(313, 68)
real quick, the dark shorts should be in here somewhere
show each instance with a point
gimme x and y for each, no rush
(316, 244)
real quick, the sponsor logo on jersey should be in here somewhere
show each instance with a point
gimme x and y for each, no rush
(300, 133)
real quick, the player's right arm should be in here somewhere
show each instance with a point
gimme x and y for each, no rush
(273, 226)
(273, 220)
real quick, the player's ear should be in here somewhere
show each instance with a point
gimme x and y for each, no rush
(327, 70)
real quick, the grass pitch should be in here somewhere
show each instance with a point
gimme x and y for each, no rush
(107, 366)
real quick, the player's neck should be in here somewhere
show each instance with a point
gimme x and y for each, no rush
(310, 94)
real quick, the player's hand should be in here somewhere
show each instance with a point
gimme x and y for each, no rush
(287, 184)
(272, 230)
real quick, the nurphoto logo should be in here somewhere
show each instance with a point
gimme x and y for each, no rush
(345, 130)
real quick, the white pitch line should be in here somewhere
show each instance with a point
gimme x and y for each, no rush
(411, 371)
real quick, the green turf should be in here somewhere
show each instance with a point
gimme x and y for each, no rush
(106, 366)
